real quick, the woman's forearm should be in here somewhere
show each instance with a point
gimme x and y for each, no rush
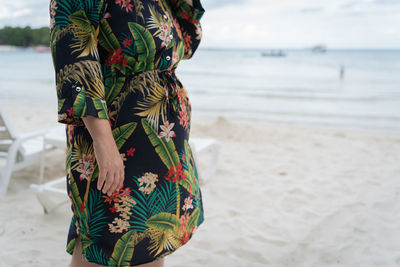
(99, 129)
(109, 160)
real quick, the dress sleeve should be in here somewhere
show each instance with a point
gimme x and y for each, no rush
(74, 27)
(188, 18)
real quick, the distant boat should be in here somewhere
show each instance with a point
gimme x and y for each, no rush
(41, 49)
(318, 49)
(273, 53)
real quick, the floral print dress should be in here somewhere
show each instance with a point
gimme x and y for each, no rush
(116, 60)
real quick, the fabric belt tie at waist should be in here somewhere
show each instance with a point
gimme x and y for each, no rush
(149, 80)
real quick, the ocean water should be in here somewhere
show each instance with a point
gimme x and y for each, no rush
(301, 88)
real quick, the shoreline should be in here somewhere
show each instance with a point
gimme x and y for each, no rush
(34, 48)
(49, 120)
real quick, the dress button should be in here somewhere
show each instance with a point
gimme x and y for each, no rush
(165, 16)
(78, 89)
(168, 57)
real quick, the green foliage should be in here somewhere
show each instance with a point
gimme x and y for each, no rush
(123, 250)
(146, 46)
(166, 150)
(162, 199)
(25, 36)
(163, 221)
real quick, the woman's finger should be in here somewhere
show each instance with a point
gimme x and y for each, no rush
(101, 179)
(121, 182)
(109, 182)
(115, 184)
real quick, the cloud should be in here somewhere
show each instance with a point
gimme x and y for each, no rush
(387, 2)
(211, 4)
(312, 10)
(267, 23)
(303, 23)
(24, 12)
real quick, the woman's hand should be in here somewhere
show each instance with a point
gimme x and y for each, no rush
(109, 161)
(111, 166)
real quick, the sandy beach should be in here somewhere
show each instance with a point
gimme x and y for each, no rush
(283, 195)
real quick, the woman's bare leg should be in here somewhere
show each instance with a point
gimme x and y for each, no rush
(77, 258)
(79, 261)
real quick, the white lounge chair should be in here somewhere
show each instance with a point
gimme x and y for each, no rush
(17, 151)
(54, 193)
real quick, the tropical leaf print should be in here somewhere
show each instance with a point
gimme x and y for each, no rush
(85, 35)
(90, 215)
(163, 240)
(107, 38)
(124, 248)
(166, 150)
(162, 199)
(122, 133)
(145, 44)
(71, 245)
(94, 253)
(154, 105)
(83, 72)
(95, 212)
(194, 217)
(163, 221)
(83, 157)
(113, 86)
(139, 8)
(163, 28)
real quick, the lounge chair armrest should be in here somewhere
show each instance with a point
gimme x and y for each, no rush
(12, 152)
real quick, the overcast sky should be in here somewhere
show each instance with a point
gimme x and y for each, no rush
(268, 23)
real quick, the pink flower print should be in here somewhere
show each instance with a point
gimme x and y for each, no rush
(184, 222)
(125, 4)
(165, 34)
(165, 28)
(175, 57)
(85, 167)
(188, 204)
(183, 118)
(198, 31)
(166, 92)
(167, 131)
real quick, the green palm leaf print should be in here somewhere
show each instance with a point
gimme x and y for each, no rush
(163, 221)
(107, 38)
(122, 133)
(145, 44)
(194, 217)
(166, 150)
(85, 35)
(123, 250)
(113, 86)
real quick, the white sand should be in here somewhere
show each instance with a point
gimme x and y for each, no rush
(283, 195)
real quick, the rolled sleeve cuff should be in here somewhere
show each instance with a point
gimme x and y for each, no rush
(72, 109)
(192, 13)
